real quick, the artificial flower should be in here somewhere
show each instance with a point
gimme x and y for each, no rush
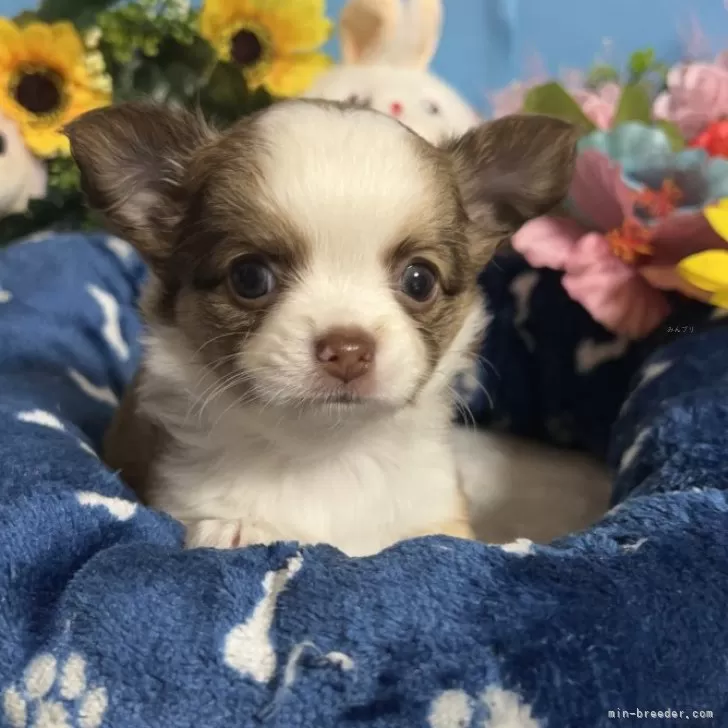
(707, 273)
(637, 211)
(45, 82)
(717, 216)
(697, 93)
(599, 105)
(273, 43)
(646, 158)
(22, 176)
(714, 139)
(510, 99)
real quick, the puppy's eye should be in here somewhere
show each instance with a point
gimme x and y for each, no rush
(251, 278)
(3, 145)
(432, 108)
(357, 100)
(419, 281)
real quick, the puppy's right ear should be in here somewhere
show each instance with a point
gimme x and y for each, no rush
(133, 159)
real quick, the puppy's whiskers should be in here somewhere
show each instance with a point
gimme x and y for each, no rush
(488, 363)
(463, 408)
(198, 351)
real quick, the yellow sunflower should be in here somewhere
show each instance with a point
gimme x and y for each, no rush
(273, 42)
(46, 80)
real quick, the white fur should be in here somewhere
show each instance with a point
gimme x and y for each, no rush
(416, 90)
(346, 283)
(360, 478)
(520, 490)
(361, 485)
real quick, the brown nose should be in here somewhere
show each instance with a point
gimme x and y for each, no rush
(345, 354)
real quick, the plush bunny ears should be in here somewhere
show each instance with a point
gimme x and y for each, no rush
(390, 32)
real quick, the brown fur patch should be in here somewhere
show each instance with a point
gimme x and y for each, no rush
(513, 169)
(133, 444)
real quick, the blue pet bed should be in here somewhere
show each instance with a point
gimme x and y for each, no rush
(106, 620)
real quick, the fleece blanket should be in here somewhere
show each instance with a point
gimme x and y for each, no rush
(106, 621)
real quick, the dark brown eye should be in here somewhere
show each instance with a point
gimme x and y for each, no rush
(3, 145)
(432, 108)
(251, 278)
(419, 281)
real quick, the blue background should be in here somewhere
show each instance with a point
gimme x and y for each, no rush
(488, 43)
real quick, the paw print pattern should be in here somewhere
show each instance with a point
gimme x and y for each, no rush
(495, 708)
(53, 695)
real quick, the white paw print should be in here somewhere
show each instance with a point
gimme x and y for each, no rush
(54, 695)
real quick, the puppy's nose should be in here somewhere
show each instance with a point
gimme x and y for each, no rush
(345, 354)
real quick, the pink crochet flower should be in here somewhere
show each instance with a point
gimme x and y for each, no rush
(599, 105)
(618, 265)
(509, 100)
(697, 93)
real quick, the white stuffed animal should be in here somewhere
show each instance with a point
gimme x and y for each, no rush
(22, 176)
(386, 48)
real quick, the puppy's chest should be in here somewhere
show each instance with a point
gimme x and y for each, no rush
(359, 501)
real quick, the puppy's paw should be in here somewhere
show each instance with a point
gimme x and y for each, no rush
(215, 533)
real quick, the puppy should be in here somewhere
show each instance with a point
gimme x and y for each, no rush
(313, 293)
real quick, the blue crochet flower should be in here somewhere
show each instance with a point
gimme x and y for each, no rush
(647, 160)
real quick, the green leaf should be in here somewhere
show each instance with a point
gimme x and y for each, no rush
(601, 74)
(225, 97)
(56, 212)
(553, 100)
(26, 18)
(641, 61)
(149, 80)
(634, 105)
(82, 13)
(677, 141)
(661, 70)
(198, 57)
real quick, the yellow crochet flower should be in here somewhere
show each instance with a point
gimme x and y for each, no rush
(272, 41)
(708, 271)
(46, 80)
(717, 215)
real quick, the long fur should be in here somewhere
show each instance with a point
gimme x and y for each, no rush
(233, 425)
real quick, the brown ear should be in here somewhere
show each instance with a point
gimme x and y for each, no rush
(132, 159)
(513, 169)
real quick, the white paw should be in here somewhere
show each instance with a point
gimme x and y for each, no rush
(53, 695)
(213, 533)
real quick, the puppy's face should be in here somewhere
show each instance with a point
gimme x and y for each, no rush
(315, 255)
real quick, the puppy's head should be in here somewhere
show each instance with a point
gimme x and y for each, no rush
(314, 254)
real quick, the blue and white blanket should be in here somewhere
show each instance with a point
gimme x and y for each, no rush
(106, 621)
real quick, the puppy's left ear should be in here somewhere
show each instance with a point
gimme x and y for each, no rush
(513, 169)
(133, 160)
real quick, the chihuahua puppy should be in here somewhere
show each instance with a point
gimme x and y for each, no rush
(312, 294)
